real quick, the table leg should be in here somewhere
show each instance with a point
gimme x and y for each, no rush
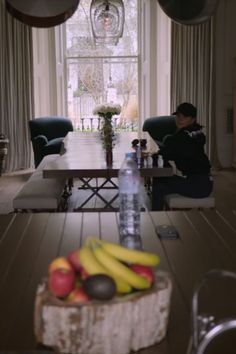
(95, 192)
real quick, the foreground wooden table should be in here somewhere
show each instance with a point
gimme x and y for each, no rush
(28, 242)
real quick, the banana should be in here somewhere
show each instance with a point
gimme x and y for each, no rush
(130, 255)
(89, 262)
(93, 266)
(116, 268)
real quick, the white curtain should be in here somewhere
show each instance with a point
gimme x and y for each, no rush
(16, 96)
(192, 75)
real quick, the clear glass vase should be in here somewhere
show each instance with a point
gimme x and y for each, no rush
(109, 157)
(108, 138)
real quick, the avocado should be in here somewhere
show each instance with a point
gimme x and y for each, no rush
(100, 287)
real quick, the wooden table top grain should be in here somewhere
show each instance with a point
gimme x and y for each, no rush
(29, 242)
(84, 156)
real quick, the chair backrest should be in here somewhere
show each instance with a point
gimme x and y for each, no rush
(159, 127)
(51, 127)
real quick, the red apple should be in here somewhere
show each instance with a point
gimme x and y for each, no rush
(61, 282)
(59, 263)
(144, 271)
(78, 295)
(74, 260)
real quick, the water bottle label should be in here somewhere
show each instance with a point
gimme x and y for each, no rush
(129, 185)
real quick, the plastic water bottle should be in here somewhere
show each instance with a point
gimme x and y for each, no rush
(160, 161)
(129, 198)
(149, 160)
(139, 156)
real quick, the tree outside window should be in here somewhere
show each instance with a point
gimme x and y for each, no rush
(101, 73)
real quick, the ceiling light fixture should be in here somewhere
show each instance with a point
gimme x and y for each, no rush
(107, 20)
(42, 13)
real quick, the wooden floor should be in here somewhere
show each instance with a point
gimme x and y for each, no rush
(10, 184)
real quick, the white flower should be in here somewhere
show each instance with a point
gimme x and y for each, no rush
(107, 108)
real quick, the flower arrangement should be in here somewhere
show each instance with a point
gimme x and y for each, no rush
(107, 109)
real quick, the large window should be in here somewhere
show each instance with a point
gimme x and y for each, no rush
(102, 73)
(72, 74)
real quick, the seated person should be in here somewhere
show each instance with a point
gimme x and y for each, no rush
(186, 148)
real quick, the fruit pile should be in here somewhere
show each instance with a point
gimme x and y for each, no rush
(100, 270)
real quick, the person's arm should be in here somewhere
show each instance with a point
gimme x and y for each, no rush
(182, 144)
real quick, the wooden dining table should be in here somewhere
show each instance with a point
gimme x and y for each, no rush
(83, 157)
(30, 241)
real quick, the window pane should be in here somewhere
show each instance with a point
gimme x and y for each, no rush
(94, 81)
(102, 73)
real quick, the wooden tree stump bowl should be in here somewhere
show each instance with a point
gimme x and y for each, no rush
(126, 323)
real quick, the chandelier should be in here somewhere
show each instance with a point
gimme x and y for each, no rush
(107, 20)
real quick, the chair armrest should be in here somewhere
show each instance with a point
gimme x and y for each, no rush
(40, 140)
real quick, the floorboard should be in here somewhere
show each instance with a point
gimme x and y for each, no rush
(10, 184)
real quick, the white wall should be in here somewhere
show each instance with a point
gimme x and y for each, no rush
(225, 56)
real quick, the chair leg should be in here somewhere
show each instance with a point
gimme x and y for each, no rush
(68, 188)
(70, 184)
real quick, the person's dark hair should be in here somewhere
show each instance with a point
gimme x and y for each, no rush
(187, 109)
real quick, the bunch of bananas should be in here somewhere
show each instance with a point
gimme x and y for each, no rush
(101, 257)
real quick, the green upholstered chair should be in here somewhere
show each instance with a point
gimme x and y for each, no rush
(159, 127)
(47, 134)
